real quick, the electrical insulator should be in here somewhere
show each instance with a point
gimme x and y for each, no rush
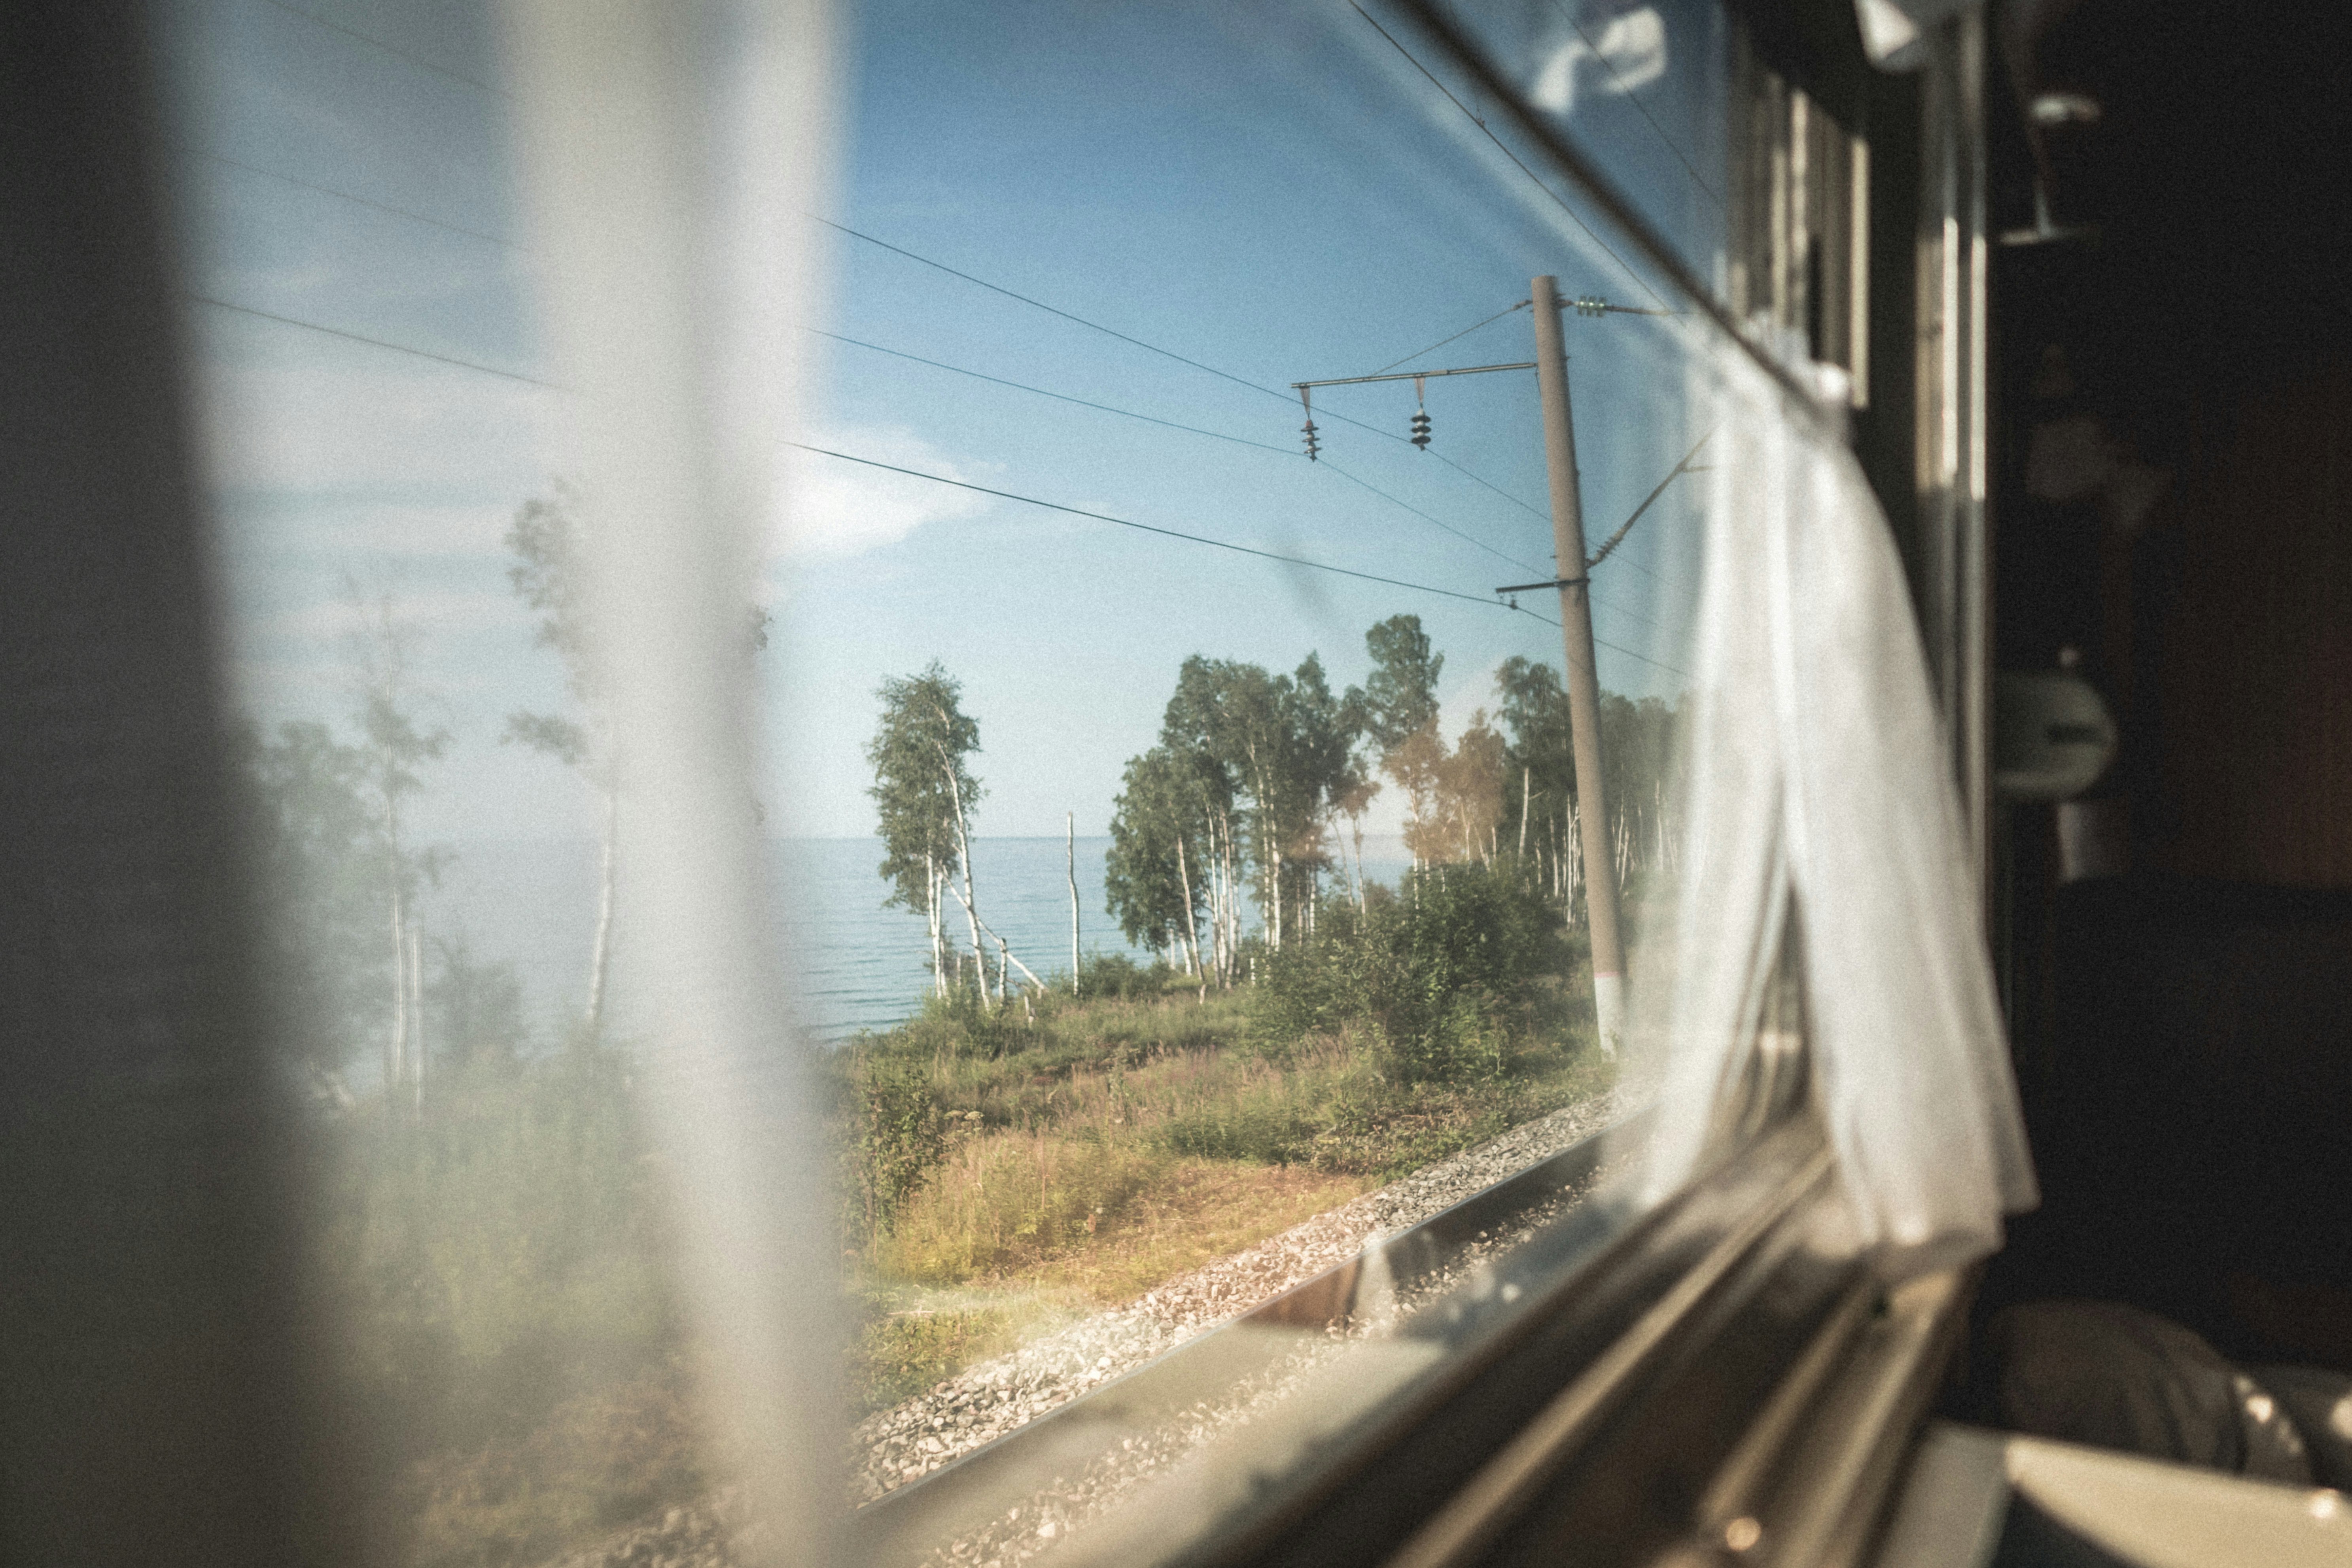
(1420, 428)
(1313, 445)
(1592, 305)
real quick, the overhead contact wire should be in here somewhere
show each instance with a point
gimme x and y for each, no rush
(1456, 338)
(1218, 544)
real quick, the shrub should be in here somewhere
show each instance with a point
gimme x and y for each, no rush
(1102, 974)
(1439, 971)
(902, 1135)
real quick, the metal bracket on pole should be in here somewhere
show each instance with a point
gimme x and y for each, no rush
(1536, 587)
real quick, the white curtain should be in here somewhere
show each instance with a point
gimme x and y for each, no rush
(1818, 789)
(668, 151)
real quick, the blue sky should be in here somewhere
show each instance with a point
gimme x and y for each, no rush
(1273, 193)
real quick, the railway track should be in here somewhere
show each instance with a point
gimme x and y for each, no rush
(1026, 1491)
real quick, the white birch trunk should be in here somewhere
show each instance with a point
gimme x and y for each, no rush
(1192, 929)
(966, 895)
(599, 954)
(1073, 826)
(416, 1016)
(1527, 785)
(934, 913)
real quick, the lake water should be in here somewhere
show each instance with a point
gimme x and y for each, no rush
(853, 964)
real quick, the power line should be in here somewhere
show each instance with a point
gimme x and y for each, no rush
(1443, 342)
(1165, 532)
(465, 81)
(1506, 152)
(1052, 310)
(1634, 99)
(531, 381)
(367, 202)
(375, 342)
(1221, 544)
(480, 368)
(1108, 331)
(1531, 510)
(1058, 396)
(1190, 429)
(1468, 539)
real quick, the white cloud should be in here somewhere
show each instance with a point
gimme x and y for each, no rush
(831, 508)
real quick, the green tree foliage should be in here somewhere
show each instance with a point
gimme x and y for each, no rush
(474, 1010)
(1400, 698)
(1637, 752)
(923, 783)
(1540, 758)
(1470, 794)
(924, 794)
(1256, 764)
(1153, 874)
(1397, 711)
(320, 848)
(1445, 972)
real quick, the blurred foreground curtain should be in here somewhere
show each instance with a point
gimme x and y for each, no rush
(671, 153)
(1820, 811)
(161, 1397)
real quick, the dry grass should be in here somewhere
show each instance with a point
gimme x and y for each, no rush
(1109, 1220)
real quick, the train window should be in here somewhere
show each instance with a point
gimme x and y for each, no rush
(707, 500)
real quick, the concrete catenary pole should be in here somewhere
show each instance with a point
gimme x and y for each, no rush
(1583, 684)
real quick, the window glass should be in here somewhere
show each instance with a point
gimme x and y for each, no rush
(1168, 813)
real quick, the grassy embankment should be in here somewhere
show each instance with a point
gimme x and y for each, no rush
(1015, 1168)
(500, 1260)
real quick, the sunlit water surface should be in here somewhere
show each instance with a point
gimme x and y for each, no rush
(853, 964)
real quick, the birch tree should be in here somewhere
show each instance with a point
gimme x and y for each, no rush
(544, 540)
(1158, 830)
(394, 745)
(924, 794)
(319, 855)
(1398, 709)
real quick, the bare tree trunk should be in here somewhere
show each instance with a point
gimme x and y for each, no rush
(417, 1016)
(1072, 823)
(1274, 881)
(1191, 931)
(599, 955)
(396, 1059)
(1231, 854)
(1004, 956)
(963, 851)
(1527, 785)
(932, 914)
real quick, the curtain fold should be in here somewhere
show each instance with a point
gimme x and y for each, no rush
(1819, 805)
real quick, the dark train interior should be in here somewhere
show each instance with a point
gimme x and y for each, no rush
(2168, 448)
(2172, 400)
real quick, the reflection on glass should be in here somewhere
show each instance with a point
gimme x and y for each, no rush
(1176, 842)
